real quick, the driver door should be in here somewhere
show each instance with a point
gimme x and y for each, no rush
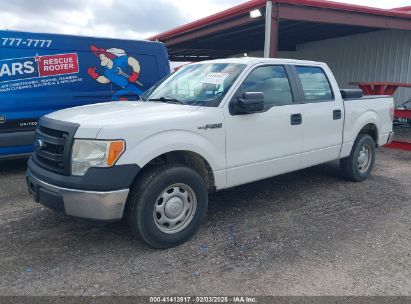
(268, 143)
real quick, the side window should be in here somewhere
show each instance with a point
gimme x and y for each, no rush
(273, 82)
(315, 84)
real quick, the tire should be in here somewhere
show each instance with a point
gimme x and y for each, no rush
(164, 195)
(358, 166)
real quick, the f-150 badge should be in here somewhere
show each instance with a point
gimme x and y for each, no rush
(211, 126)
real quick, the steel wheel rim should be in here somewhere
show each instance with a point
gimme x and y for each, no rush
(364, 158)
(174, 208)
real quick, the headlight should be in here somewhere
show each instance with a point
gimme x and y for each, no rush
(94, 153)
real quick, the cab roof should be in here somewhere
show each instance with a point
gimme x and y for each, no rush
(258, 60)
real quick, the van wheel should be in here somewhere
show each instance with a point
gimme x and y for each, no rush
(166, 205)
(358, 166)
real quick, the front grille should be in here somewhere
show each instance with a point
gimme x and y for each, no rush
(52, 132)
(52, 146)
(56, 149)
(51, 163)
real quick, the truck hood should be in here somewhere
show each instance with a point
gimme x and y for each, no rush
(118, 114)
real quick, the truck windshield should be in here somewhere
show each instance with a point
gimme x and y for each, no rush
(196, 84)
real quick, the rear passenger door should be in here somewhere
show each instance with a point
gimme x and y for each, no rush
(267, 143)
(322, 115)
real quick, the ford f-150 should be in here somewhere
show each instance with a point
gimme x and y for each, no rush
(209, 126)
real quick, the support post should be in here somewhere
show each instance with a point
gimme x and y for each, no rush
(271, 31)
(268, 21)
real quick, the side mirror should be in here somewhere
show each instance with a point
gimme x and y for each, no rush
(250, 102)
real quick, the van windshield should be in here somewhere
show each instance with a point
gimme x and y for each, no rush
(196, 84)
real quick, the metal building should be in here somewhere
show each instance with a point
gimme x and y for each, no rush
(359, 43)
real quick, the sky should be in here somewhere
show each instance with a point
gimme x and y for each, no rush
(132, 19)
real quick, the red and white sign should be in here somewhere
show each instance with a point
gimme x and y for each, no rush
(51, 65)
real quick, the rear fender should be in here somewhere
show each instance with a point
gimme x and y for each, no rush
(353, 126)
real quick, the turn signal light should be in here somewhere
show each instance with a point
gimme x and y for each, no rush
(114, 152)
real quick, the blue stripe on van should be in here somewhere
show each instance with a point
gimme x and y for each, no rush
(15, 150)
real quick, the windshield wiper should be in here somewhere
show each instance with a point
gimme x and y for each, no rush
(167, 99)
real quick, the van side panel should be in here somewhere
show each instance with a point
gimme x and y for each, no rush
(42, 73)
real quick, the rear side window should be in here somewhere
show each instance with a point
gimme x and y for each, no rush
(315, 84)
(273, 82)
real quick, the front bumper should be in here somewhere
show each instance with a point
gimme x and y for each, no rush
(95, 205)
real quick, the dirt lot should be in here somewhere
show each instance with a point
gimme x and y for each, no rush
(403, 134)
(305, 233)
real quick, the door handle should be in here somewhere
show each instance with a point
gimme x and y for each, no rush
(296, 119)
(337, 114)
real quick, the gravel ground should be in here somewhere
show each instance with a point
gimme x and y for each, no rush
(403, 133)
(304, 233)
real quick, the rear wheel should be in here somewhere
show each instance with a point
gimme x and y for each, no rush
(358, 166)
(167, 204)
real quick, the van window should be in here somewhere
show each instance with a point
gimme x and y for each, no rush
(273, 82)
(315, 84)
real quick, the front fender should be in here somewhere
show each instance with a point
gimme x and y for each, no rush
(177, 140)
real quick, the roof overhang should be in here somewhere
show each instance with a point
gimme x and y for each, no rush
(298, 21)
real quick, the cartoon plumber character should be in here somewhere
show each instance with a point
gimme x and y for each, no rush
(116, 63)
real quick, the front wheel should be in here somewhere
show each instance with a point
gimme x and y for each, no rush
(358, 166)
(166, 205)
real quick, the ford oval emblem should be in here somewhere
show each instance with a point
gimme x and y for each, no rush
(38, 144)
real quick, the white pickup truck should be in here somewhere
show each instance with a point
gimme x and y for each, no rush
(210, 126)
